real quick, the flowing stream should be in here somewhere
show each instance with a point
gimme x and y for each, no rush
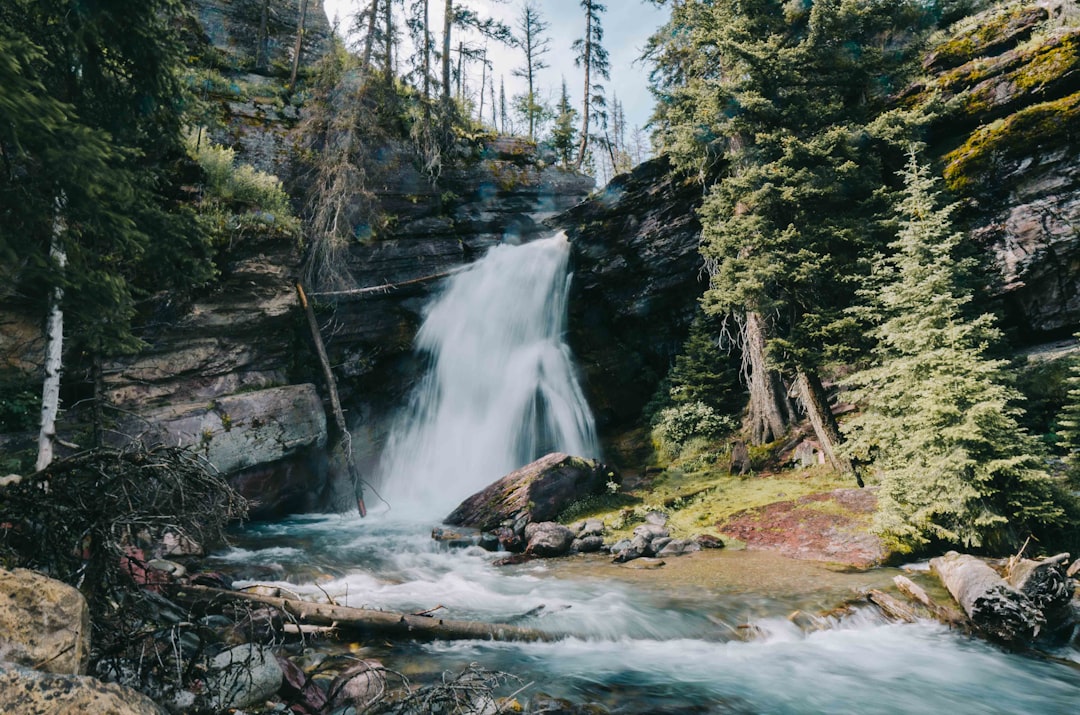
(500, 391)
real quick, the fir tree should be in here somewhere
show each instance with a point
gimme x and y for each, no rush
(938, 420)
(534, 44)
(564, 133)
(592, 57)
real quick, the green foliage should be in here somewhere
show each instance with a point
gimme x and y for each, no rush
(564, 132)
(939, 421)
(675, 426)
(20, 404)
(91, 139)
(1069, 421)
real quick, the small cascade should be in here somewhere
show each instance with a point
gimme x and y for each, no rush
(500, 389)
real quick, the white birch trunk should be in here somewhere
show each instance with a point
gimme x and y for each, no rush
(54, 346)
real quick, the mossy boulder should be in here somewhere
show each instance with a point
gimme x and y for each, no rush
(537, 492)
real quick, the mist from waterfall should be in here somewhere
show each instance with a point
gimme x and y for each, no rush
(500, 387)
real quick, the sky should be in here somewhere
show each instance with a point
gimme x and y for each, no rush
(627, 25)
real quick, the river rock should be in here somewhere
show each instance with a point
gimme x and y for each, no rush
(44, 623)
(359, 686)
(32, 692)
(674, 547)
(588, 527)
(587, 544)
(242, 676)
(538, 491)
(548, 539)
(651, 531)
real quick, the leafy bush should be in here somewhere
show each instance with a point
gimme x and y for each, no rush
(675, 426)
(238, 197)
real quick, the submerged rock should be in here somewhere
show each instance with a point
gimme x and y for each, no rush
(538, 491)
(44, 623)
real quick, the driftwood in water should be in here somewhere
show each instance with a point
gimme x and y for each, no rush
(368, 621)
(995, 607)
(915, 592)
(893, 608)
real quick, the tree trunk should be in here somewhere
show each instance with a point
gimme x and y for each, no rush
(388, 15)
(369, 41)
(460, 71)
(54, 343)
(299, 43)
(995, 607)
(584, 143)
(1048, 585)
(770, 410)
(448, 23)
(262, 51)
(816, 405)
(427, 55)
(949, 616)
(483, 86)
(377, 623)
(344, 437)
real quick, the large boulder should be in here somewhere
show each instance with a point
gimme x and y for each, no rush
(44, 623)
(539, 491)
(33, 692)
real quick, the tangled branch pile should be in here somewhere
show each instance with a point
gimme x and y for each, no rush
(96, 519)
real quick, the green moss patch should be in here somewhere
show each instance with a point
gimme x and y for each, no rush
(1037, 128)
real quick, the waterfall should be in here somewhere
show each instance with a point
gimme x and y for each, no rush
(500, 388)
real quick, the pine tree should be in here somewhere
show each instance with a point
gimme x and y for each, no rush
(534, 44)
(1069, 422)
(593, 58)
(938, 419)
(564, 133)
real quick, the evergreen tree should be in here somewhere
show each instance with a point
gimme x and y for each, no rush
(564, 133)
(938, 420)
(89, 186)
(593, 58)
(1069, 421)
(771, 100)
(532, 41)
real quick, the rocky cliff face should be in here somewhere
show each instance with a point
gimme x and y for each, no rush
(637, 278)
(1007, 82)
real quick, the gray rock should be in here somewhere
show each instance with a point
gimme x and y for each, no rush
(44, 623)
(658, 518)
(587, 544)
(242, 676)
(32, 692)
(548, 539)
(537, 492)
(673, 547)
(656, 545)
(650, 531)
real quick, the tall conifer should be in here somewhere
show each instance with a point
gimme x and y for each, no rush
(938, 419)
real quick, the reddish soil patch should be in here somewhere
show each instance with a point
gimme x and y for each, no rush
(832, 526)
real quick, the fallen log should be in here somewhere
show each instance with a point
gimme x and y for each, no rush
(368, 621)
(893, 608)
(915, 592)
(1045, 581)
(994, 607)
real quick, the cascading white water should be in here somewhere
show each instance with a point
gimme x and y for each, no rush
(500, 389)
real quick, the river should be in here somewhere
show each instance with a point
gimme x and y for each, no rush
(710, 632)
